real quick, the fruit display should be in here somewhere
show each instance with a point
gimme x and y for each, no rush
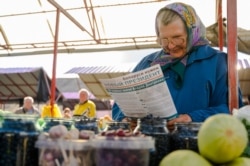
(122, 148)
(240, 161)
(50, 122)
(18, 135)
(246, 123)
(117, 125)
(156, 128)
(244, 115)
(222, 138)
(184, 157)
(65, 147)
(86, 124)
(102, 122)
(185, 136)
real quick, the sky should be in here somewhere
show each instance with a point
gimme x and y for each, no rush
(204, 8)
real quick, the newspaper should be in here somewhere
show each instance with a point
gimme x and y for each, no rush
(141, 93)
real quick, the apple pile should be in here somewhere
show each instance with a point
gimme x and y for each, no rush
(222, 139)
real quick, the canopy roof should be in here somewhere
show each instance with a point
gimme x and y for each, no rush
(91, 77)
(17, 83)
(243, 37)
(27, 27)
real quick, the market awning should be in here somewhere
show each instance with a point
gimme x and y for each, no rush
(212, 35)
(244, 76)
(91, 77)
(16, 83)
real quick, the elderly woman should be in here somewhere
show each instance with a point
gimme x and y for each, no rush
(196, 74)
(85, 107)
(28, 107)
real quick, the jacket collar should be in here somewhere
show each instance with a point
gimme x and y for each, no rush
(154, 56)
(198, 53)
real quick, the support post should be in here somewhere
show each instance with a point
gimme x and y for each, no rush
(232, 53)
(53, 81)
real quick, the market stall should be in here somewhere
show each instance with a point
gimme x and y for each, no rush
(81, 140)
(17, 83)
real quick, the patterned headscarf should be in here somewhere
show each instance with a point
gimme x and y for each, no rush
(196, 32)
(195, 28)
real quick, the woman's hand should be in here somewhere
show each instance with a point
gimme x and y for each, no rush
(181, 118)
(133, 123)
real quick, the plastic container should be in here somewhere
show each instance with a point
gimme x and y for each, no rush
(18, 134)
(86, 124)
(155, 127)
(18, 122)
(50, 122)
(65, 152)
(122, 151)
(185, 136)
(117, 125)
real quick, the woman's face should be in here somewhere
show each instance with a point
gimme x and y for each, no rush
(83, 97)
(173, 38)
(27, 104)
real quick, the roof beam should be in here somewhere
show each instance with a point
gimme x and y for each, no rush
(71, 18)
(5, 38)
(92, 20)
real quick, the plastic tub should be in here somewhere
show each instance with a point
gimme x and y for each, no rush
(86, 124)
(122, 151)
(50, 122)
(18, 134)
(65, 152)
(117, 125)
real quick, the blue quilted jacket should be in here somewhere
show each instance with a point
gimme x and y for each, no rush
(205, 87)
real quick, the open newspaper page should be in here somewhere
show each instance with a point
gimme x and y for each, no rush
(141, 93)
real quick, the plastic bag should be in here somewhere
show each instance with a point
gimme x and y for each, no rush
(242, 113)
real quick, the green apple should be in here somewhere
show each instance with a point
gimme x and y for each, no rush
(240, 161)
(184, 157)
(222, 138)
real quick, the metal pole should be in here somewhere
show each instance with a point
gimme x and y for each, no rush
(53, 81)
(220, 24)
(232, 53)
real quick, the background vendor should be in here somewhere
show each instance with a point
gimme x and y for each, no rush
(85, 107)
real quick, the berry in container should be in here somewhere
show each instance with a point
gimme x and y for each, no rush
(122, 151)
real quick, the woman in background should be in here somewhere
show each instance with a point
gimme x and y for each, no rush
(85, 107)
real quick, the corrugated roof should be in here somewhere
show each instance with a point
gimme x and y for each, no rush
(17, 70)
(91, 76)
(243, 63)
(16, 83)
(102, 69)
